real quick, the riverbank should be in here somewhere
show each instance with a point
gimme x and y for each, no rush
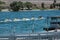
(7, 10)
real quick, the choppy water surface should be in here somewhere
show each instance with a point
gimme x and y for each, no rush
(24, 26)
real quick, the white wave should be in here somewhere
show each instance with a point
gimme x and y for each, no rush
(16, 19)
(23, 19)
(28, 19)
(42, 18)
(1, 21)
(34, 18)
(7, 20)
(37, 18)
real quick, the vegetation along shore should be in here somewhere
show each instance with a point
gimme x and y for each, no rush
(19, 5)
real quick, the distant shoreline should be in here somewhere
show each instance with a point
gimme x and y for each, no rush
(6, 10)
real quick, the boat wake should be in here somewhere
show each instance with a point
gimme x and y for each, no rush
(23, 19)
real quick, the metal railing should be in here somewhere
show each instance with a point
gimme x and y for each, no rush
(36, 36)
